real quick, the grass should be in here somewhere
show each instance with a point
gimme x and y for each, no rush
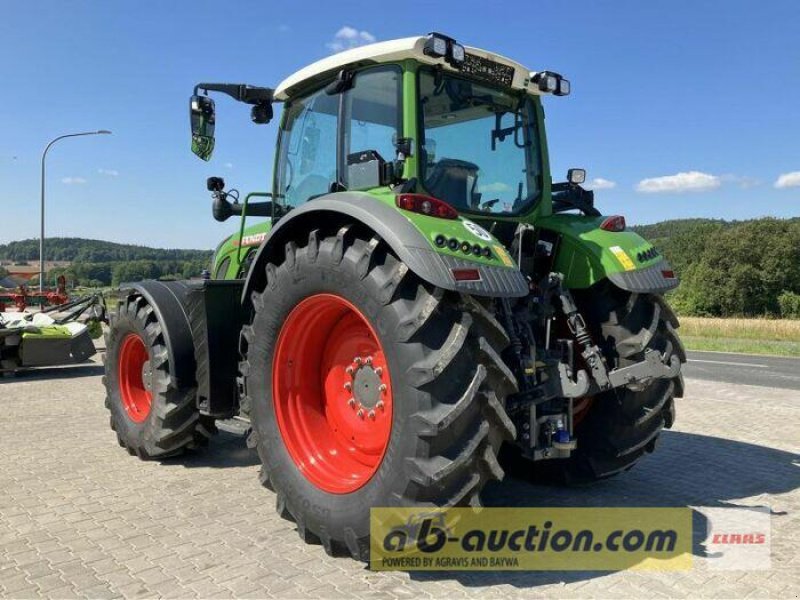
(780, 337)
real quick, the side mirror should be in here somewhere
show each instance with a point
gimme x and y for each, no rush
(202, 119)
(576, 176)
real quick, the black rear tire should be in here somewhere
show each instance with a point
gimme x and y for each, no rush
(620, 426)
(447, 379)
(172, 423)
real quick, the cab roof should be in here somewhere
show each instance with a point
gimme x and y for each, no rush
(391, 51)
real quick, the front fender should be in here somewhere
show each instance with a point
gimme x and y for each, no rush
(398, 231)
(587, 254)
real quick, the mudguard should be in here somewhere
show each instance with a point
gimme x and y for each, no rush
(168, 299)
(587, 254)
(201, 320)
(405, 239)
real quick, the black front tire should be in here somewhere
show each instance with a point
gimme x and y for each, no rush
(173, 423)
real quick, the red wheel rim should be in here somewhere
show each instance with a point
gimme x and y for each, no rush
(135, 378)
(332, 393)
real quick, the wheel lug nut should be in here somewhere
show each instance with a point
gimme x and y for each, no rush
(382, 387)
(378, 371)
(379, 404)
(368, 360)
(360, 413)
(349, 370)
(372, 415)
(357, 360)
(348, 386)
(352, 402)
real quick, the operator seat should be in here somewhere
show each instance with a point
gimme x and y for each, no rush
(454, 181)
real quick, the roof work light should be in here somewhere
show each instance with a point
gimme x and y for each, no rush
(551, 83)
(442, 46)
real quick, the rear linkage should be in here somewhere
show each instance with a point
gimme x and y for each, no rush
(549, 381)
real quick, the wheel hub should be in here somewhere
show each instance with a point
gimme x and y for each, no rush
(367, 387)
(332, 393)
(147, 376)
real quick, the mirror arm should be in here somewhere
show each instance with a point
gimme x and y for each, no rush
(240, 92)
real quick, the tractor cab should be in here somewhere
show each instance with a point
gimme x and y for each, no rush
(459, 124)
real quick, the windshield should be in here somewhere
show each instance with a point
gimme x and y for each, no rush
(480, 147)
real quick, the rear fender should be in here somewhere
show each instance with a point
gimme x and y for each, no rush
(587, 254)
(330, 213)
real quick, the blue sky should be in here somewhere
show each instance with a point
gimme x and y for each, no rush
(690, 108)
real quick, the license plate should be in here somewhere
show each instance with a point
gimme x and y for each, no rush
(488, 70)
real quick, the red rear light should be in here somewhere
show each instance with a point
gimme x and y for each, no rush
(615, 223)
(466, 274)
(426, 205)
(668, 274)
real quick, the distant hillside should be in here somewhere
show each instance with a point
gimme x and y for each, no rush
(99, 263)
(667, 229)
(83, 250)
(732, 268)
(664, 230)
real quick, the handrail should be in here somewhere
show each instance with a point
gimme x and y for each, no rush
(244, 218)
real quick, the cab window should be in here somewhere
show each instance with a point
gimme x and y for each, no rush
(307, 160)
(372, 109)
(313, 158)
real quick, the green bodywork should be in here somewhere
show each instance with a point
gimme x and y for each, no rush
(586, 254)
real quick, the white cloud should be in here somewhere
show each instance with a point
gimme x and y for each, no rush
(349, 37)
(494, 188)
(598, 183)
(743, 181)
(284, 28)
(690, 181)
(228, 165)
(787, 180)
(73, 180)
(109, 172)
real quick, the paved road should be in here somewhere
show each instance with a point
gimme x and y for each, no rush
(81, 518)
(766, 371)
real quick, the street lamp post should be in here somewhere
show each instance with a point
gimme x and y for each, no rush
(41, 237)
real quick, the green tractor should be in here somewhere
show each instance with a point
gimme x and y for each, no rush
(418, 307)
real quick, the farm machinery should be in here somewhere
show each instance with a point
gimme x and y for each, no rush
(59, 333)
(417, 308)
